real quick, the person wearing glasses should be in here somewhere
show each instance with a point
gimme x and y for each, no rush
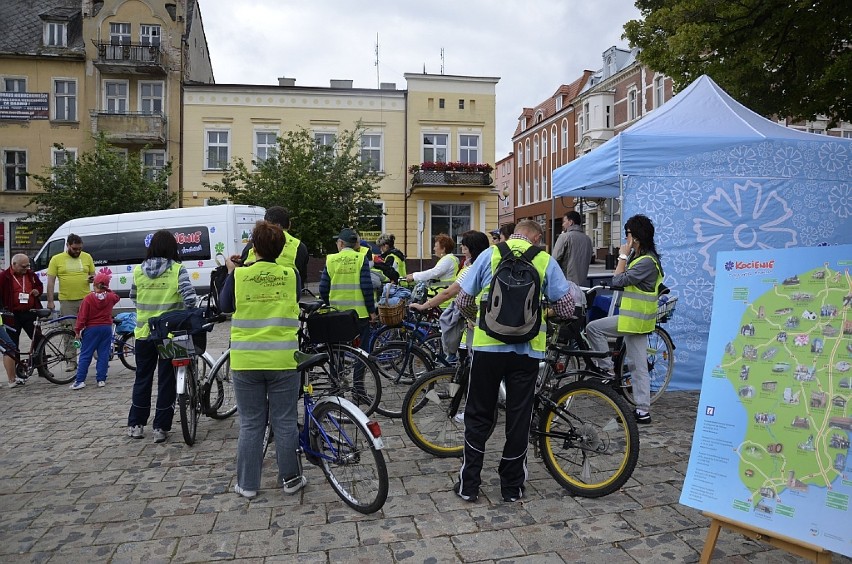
(502, 233)
(640, 274)
(20, 289)
(75, 270)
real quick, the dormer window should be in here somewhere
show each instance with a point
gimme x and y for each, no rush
(56, 34)
(524, 124)
(558, 103)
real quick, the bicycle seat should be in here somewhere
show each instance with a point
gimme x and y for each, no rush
(310, 307)
(43, 313)
(307, 361)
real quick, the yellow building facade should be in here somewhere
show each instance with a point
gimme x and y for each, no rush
(438, 118)
(69, 71)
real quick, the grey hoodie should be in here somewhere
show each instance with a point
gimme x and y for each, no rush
(156, 266)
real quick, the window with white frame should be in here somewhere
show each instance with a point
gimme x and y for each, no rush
(452, 219)
(469, 148)
(544, 143)
(325, 140)
(55, 34)
(564, 133)
(846, 134)
(435, 147)
(544, 193)
(371, 219)
(149, 34)
(631, 104)
(607, 118)
(153, 161)
(536, 196)
(659, 91)
(217, 148)
(64, 99)
(527, 151)
(524, 124)
(115, 96)
(580, 125)
(520, 156)
(265, 145)
(520, 198)
(558, 103)
(536, 153)
(58, 158)
(119, 34)
(371, 151)
(586, 116)
(527, 192)
(13, 84)
(151, 97)
(14, 170)
(553, 139)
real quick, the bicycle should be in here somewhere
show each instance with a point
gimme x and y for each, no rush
(49, 352)
(660, 350)
(339, 438)
(350, 372)
(187, 363)
(583, 430)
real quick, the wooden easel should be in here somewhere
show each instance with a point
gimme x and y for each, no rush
(811, 552)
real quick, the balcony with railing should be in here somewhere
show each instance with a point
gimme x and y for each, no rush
(130, 127)
(130, 58)
(451, 174)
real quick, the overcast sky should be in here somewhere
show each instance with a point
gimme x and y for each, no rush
(533, 46)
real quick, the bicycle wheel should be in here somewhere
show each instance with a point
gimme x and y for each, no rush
(349, 373)
(400, 364)
(188, 402)
(55, 358)
(352, 464)
(430, 410)
(126, 346)
(217, 395)
(660, 365)
(588, 438)
(386, 334)
(433, 345)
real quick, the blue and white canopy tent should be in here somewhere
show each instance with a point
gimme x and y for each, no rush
(714, 176)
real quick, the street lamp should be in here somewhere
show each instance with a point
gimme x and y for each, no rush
(503, 195)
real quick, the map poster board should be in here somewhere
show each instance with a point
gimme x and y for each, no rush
(771, 441)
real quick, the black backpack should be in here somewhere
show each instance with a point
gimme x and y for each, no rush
(512, 312)
(217, 282)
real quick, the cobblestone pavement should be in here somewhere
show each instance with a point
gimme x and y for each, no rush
(75, 488)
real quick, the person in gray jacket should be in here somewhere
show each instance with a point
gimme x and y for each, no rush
(573, 249)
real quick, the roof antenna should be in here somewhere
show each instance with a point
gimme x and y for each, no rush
(442, 60)
(378, 82)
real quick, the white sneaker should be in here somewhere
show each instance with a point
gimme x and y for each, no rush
(293, 485)
(77, 385)
(248, 494)
(135, 432)
(459, 417)
(160, 436)
(101, 383)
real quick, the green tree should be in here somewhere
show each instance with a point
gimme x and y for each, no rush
(99, 182)
(324, 187)
(788, 58)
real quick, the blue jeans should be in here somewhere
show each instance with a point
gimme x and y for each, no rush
(262, 394)
(95, 338)
(147, 360)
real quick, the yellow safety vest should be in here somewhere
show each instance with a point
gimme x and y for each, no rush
(540, 262)
(265, 324)
(288, 253)
(448, 280)
(638, 310)
(344, 271)
(155, 296)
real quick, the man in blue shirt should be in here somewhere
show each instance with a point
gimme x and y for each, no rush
(516, 363)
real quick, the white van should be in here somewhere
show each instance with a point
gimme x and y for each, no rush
(117, 243)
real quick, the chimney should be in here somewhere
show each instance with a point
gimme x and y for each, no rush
(341, 83)
(284, 81)
(387, 86)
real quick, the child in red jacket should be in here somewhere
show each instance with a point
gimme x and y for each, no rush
(94, 326)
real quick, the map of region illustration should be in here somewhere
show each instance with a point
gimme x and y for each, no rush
(772, 438)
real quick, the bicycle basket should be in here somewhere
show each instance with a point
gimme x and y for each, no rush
(665, 310)
(178, 346)
(330, 326)
(391, 315)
